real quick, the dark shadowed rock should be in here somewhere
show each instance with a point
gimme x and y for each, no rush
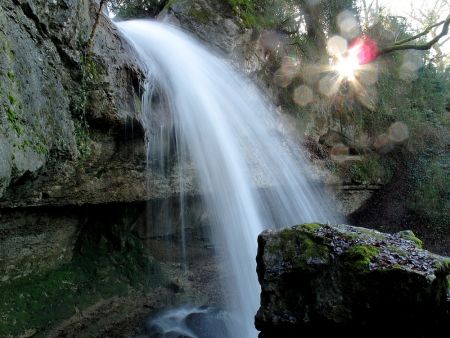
(318, 278)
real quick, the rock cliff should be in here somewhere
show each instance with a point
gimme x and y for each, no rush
(51, 85)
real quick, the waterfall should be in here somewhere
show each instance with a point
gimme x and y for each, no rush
(249, 175)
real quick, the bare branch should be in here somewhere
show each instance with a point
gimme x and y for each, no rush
(415, 37)
(425, 46)
(94, 28)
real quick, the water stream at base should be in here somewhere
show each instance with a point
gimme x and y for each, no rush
(248, 174)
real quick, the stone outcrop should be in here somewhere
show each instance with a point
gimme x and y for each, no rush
(323, 278)
(50, 84)
(215, 23)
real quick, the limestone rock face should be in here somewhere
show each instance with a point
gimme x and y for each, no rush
(215, 23)
(49, 83)
(317, 278)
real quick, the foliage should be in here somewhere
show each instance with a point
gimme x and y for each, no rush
(262, 13)
(410, 88)
(432, 192)
(83, 139)
(127, 9)
(371, 169)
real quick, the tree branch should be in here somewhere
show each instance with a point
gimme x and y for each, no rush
(94, 28)
(425, 32)
(425, 46)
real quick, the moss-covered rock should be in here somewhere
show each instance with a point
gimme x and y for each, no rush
(410, 236)
(321, 277)
(53, 281)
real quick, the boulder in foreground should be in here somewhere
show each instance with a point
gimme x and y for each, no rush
(323, 278)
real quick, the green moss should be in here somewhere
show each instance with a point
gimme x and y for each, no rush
(360, 256)
(39, 302)
(252, 14)
(100, 269)
(14, 120)
(11, 75)
(40, 148)
(12, 99)
(301, 247)
(410, 236)
(94, 70)
(443, 266)
(311, 227)
(83, 139)
(35, 143)
(370, 169)
(201, 15)
(12, 106)
(313, 251)
(432, 191)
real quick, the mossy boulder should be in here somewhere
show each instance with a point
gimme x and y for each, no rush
(317, 278)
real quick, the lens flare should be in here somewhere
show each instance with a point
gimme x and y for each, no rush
(360, 52)
(352, 71)
(365, 49)
(347, 66)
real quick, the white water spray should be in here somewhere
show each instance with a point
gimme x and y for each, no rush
(226, 128)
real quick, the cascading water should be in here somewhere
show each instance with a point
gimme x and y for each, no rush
(248, 175)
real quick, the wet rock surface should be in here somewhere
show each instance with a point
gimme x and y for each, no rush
(319, 278)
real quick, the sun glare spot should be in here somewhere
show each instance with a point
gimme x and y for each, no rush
(347, 66)
(351, 65)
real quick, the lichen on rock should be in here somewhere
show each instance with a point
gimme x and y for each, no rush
(338, 277)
